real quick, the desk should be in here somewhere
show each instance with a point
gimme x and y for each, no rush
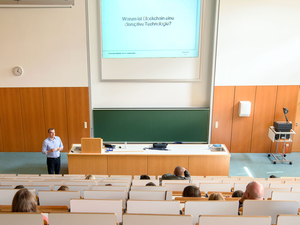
(198, 159)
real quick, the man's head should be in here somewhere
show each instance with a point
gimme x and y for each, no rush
(51, 133)
(179, 171)
(254, 190)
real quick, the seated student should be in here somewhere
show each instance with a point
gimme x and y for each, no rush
(273, 176)
(90, 177)
(144, 177)
(63, 188)
(150, 184)
(191, 191)
(19, 186)
(216, 196)
(237, 193)
(180, 173)
(24, 201)
(254, 190)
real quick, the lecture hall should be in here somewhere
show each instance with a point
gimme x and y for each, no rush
(161, 107)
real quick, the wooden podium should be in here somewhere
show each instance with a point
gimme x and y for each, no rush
(91, 145)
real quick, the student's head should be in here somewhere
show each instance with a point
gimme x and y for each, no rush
(216, 196)
(178, 171)
(63, 188)
(144, 177)
(19, 186)
(24, 201)
(273, 176)
(254, 190)
(150, 184)
(237, 193)
(90, 177)
(191, 191)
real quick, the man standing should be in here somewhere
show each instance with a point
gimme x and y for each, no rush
(52, 147)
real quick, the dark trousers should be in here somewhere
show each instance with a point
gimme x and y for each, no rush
(53, 165)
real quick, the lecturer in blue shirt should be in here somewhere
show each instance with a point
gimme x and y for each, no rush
(52, 146)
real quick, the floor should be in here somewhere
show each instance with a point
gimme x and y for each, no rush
(257, 164)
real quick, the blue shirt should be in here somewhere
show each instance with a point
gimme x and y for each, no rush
(48, 144)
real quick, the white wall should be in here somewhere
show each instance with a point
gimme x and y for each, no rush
(48, 43)
(258, 43)
(155, 94)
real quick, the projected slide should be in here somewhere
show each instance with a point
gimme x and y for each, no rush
(150, 28)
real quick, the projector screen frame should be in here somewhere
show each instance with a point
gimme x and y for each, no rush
(197, 76)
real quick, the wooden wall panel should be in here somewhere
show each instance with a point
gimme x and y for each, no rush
(55, 108)
(222, 113)
(287, 97)
(11, 120)
(77, 113)
(126, 165)
(159, 165)
(1, 137)
(263, 118)
(242, 126)
(33, 118)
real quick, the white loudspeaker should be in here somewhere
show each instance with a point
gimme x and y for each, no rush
(244, 108)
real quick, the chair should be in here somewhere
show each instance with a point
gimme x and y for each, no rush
(177, 186)
(144, 182)
(149, 188)
(7, 195)
(286, 195)
(234, 220)
(82, 218)
(153, 207)
(269, 208)
(288, 220)
(150, 195)
(80, 188)
(22, 218)
(215, 187)
(97, 206)
(110, 188)
(268, 191)
(138, 219)
(197, 208)
(164, 182)
(50, 182)
(107, 195)
(57, 197)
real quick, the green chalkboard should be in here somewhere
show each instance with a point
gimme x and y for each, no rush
(149, 125)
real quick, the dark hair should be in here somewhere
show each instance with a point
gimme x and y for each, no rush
(150, 184)
(273, 176)
(19, 186)
(237, 193)
(191, 191)
(144, 177)
(24, 201)
(50, 129)
(63, 188)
